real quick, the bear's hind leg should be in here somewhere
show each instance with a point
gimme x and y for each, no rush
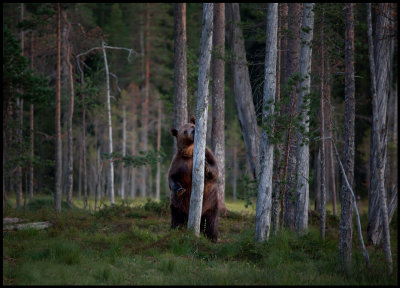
(178, 218)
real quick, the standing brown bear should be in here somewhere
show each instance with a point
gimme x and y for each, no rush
(180, 183)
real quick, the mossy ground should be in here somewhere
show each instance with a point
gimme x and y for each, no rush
(131, 244)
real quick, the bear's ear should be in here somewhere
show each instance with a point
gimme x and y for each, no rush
(193, 120)
(174, 132)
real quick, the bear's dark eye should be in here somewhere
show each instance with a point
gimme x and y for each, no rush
(185, 132)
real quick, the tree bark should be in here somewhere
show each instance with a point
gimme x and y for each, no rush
(109, 124)
(303, 150)
(58, 177)
(346, 221)
(218, 98)
(382, 61)
(134, 93)
(123, 172)
(85, 196)
(196, 197)
(242, 88)
(158, 175)
(264, 196)
(322, 145)
(180, 70)
(329, 151)
(31, 143)
(293, 45)
(70, 170)
(379, 85)
(145, 110)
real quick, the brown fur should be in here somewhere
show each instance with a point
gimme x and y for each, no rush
(180, 184)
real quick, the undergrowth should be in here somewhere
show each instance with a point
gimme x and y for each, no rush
(128, 244)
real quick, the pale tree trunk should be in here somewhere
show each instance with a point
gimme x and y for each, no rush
(196, 197)
(218, 99)
(85, 196)
(303, 149)
(242, 87)
(322, 145)
(346, 214)
(70, 170)
(264, 195)
(158, 175)
(109, 124)
(58, 156)
(331, 166)
(145, 106)
(123, 174)
(379, 85)
(293, 49)
(180, 68)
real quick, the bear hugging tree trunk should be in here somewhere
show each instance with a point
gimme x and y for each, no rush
(180, 183)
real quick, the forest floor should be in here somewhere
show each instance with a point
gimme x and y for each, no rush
(132, 244)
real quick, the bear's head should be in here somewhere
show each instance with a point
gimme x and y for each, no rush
(185, 138)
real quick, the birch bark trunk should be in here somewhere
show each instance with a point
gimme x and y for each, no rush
(264, 196)
(109, 124)
(303, 150)
(196, 197)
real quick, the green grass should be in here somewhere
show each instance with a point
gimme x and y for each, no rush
(131, 244)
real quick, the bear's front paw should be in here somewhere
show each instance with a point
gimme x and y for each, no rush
(180, 191)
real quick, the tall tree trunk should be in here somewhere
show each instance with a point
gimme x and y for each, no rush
(281, 70)
(70, 170)
(85, 176)
(242, 87)
(293, 45)
(31, 125)
(58, 156)
(110, 140)
(196, 197)
(264, 195)
(218, 98)
(378, 160)
(322, 143)
(329, 150)
(180, 68)
(346, 219)
(379, 88)
(20, 110)
(145, 110)
(134, 93)
(123, 174)
(303, 149)
(158, 175)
